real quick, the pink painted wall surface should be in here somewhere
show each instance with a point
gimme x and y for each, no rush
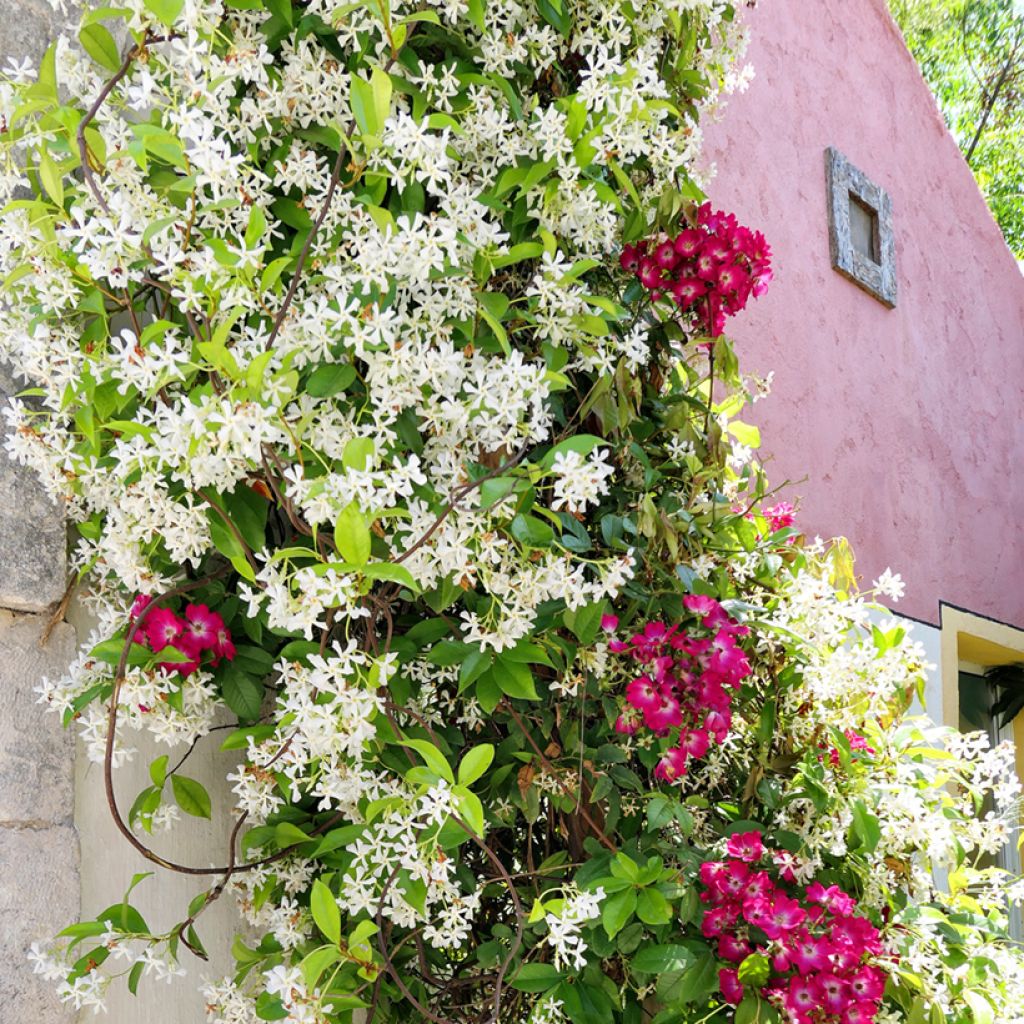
(908, 424)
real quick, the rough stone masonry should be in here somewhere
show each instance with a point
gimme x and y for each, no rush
(39, 871)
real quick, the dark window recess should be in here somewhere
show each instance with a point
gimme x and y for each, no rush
(864, 229)
(860, 228)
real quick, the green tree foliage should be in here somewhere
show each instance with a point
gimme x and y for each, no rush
(972, 54)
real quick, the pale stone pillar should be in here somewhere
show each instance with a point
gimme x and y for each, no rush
(39, 880)
(39, 852)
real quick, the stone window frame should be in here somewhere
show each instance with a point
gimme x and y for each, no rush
(844, 183)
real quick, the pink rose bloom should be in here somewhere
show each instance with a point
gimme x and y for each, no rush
(672, 765)
(729, 983)
(746, 846)
(162, 627)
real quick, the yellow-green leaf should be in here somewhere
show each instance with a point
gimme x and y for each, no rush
(475, 763)
(352, 535)
(51, 177)
(191, 796)
(99, 44)
(325, 911)
(166, 11)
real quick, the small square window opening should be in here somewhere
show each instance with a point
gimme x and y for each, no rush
(864, 229)
(860, 228)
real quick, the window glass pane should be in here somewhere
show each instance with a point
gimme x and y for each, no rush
(864, 229)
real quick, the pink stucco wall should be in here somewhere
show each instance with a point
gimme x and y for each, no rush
(901, 429)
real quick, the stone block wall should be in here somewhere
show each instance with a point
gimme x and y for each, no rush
(39, 852)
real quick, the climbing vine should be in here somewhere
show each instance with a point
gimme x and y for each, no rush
(378, 354)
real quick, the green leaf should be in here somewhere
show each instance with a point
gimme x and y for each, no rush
(99, 44)
(51, 177)
(393, 573)
(282, 9)
(556, 14)
(755, 970)
(314, 965)
(359, 940)
(474, 665)
(337, 838)
(748, 1010)
(270, 1007)
(433, 757)
(514, 679)
(256, 227)
(143, 806)
(352, 535)
(471, 810)
(124, 917)
(134, 976)
(475, 763)
(519, 253)
(166, 11)
(661, 959)
(102, 13)
(698, 981)
(325, 911)
(371, 101)
(493, 490)
(168, 148)
(158, 771)
(242, 693)
(531, 531)
(745, 433)
(222, 536)
(254, 660)
(286, 834)
(981, 1008)
(586, 621)
(866, 826)
(330, 379)
(477, 14)
(191, 796)
(239, 739)
(358, 453)
(536, 978)
(617, 910)
(248, 511)
(488, 692)
(82, 930)
(492, 308)
(582, 444)
(652, 907)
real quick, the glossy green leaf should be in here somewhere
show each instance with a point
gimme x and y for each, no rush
(242, 693)
(475, 763)
(158, 770)
(432, 757)
(660, 959)
(617, 910)
(167, 11)
(352, 535)
(191, 796)
(99, 44)
(514, 679)
(324, 909)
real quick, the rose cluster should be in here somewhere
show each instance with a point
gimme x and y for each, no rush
(858, 745)
(810, 954)
(709, 270)
(779, 515)
(199, 630)
(685, 688)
